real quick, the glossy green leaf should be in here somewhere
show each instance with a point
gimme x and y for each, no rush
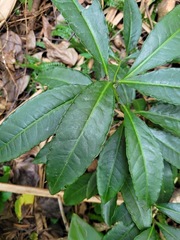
(132, 24)
(84, 23)
(107, 210)
(72, 148)
(161, 46)
(112, 166)
(122, 232)
(149, 234)
(163, 84)
(139, 104)
(121, 214)
(34, 121)
(169, 146)
(172, 210)
(139, 210)
(167, 187)
(76, 192)
(166, 115)
(170, 233)
(80, 230)
(59, 76)
(144, 158)
(126, 94)
(91, 189)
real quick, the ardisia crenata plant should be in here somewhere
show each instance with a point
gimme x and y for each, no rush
(142, 157)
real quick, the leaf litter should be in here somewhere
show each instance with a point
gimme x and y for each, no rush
(26, 31)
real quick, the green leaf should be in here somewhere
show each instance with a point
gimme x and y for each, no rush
(122, 232)
(34, 121)
(161, 46)
(4, 197)
(84, 23)
(132, 24)
(139, 210)
(6, 174)
(139, 104)
(167, 187)
(107, 210)
(91, 189)
(144, 158)
(112, 166)
(76, 192)
(172, 210)
(163, 84)
(166, 115)
(169, 233)
(80, 230)
(24, 199)
(169, 146)
(73, 149)
(149, 234)
(126, 94)
(60, 76)
(121, 214)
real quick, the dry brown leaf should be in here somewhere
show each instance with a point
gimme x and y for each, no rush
(10, 49)
(9, 86)
(61, 52)
(93, 166)
(10, 41)
(30, 40)
(118, 41)
(22, 84)
(47, 28)
(111, 14)
(3, 104)
(6, 7)
(176, 196)
(164, 7)
(117, 19)
(14, 83)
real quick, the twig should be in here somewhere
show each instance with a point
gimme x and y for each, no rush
(66, 224)
(18, 189)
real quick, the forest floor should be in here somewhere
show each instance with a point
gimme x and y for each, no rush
(32, 32)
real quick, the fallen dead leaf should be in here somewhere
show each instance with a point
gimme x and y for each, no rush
(30, 40)
(6, 8)
(14, 83)
(47, 28)
(61, 52)
(10, 41)
(164, 7)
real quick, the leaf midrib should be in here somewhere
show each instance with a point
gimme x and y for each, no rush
(138, 140)
(168, 209)
(167, 145)
(115, 159)
(33, 123)
(136, 202)
(131, 82)
(152, 54)
(151, 113)
(97, 47)
(130, 18)
(80, 135)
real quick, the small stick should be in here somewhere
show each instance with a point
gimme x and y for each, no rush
(66, 224)
(18, 189)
